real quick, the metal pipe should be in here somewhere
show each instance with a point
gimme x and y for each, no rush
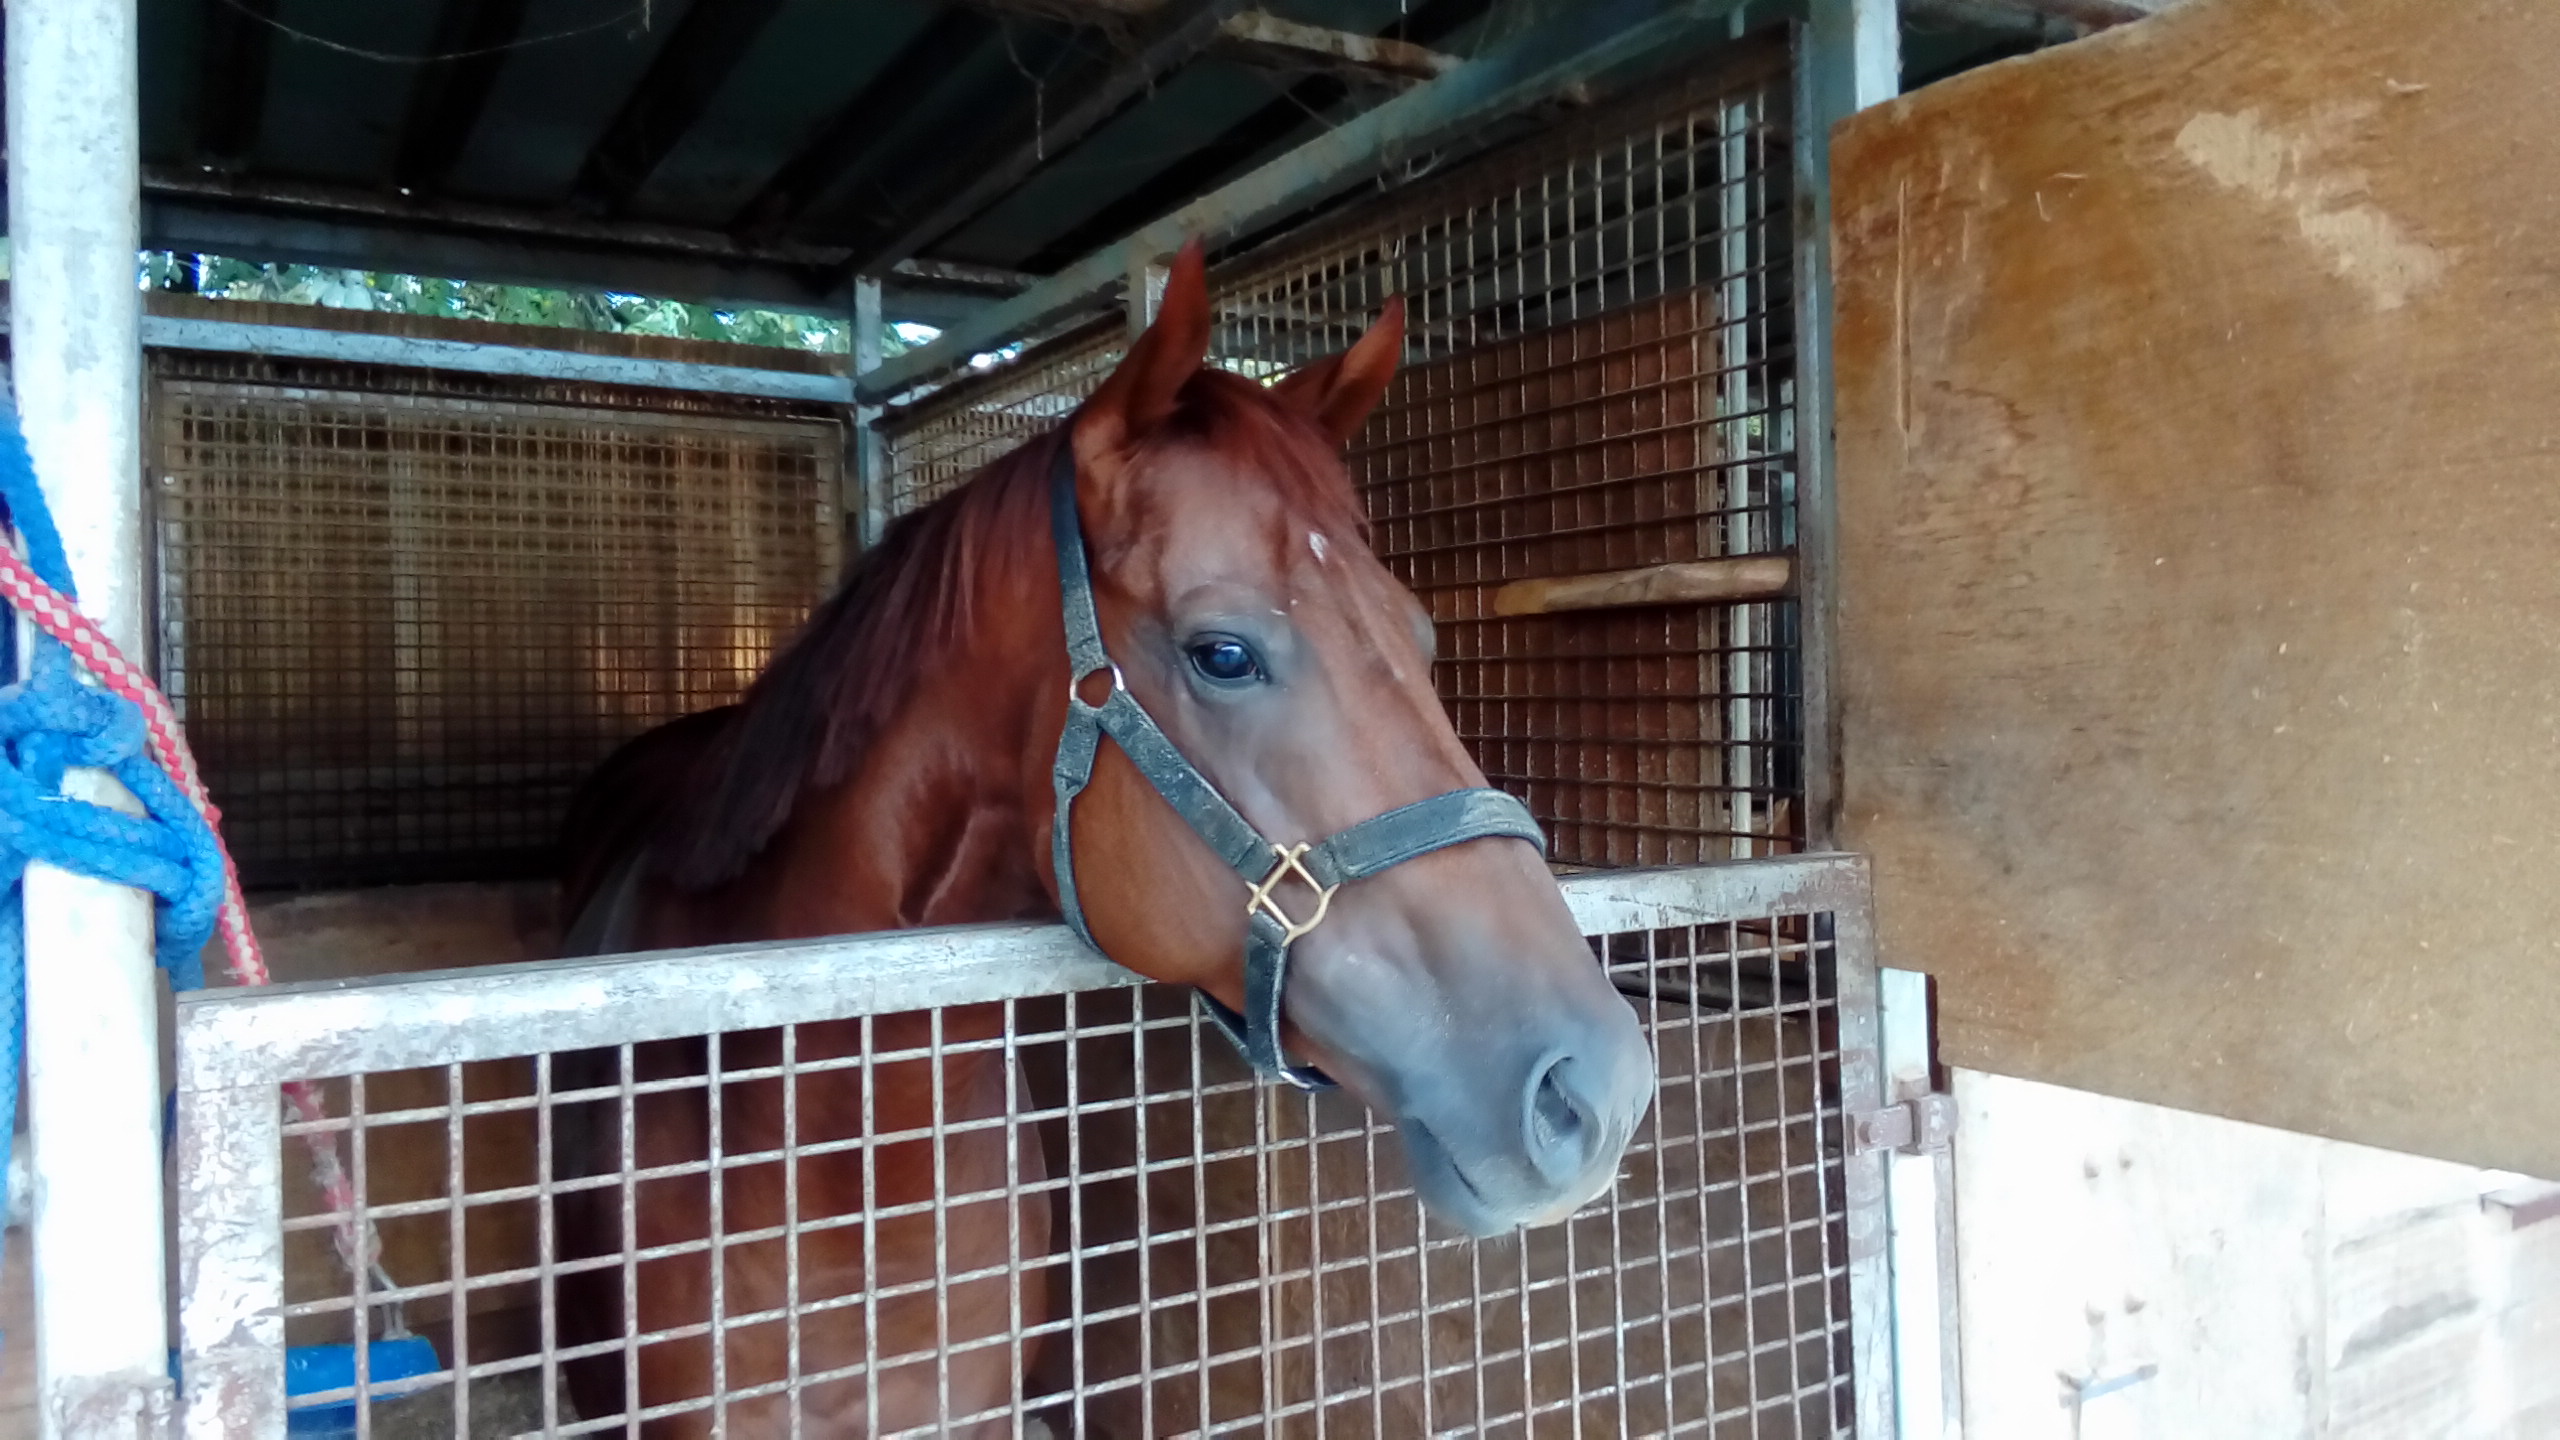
(1848, 58)
(93, 1056)
(870, 452)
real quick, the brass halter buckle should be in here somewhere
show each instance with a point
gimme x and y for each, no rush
(1292, 861)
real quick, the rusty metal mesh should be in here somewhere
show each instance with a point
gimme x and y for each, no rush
(1224, 1257)
(1600, 375)
(402, 615)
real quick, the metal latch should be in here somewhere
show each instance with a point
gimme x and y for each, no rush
(1921, 1125)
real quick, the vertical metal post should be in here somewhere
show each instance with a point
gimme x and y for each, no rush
(870, 458)
(231, 1287)
(93, 1055)
(1862, 1091)
(1848, 56)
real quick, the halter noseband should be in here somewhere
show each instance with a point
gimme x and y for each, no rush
(1324, 866)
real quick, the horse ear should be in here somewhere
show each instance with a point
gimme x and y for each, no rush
(1141, 391)
(1339, 391)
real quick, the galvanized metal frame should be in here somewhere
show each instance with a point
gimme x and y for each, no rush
(235, 1048)
(231, 337)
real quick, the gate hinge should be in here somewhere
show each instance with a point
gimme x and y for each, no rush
(1921, 1125)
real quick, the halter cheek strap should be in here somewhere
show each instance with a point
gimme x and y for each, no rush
(1290, 888)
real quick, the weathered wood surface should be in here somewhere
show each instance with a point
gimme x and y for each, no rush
(2200, 584)
(1721, 581)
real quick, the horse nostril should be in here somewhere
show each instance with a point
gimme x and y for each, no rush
(1560, 1129)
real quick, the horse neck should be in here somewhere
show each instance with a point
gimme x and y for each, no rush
(941, 821)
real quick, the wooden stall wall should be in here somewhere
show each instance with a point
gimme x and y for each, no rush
(2200, 621)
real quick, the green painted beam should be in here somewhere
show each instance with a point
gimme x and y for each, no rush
(1581, 42)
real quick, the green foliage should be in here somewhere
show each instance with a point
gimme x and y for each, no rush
(224, 278)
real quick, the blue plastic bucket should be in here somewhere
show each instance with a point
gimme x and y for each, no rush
(313, 1369)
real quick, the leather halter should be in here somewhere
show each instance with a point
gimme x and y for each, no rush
(1319, 868)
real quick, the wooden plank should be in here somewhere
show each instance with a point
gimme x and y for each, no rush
(2181, 1275)
(2199, 490)
(1686, 582)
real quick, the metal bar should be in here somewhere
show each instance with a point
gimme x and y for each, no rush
(1862, 1089)
(265, 193)
(1847, 58)
(231, 1263)
(1592, 39)
(93, 1055)
(1179, 32)
(1920, 1238)
(236, 337)
(303, 1031)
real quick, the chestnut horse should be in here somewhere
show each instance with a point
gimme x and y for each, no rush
(903, 763)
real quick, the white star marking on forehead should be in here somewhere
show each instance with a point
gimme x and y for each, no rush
(1315, 542)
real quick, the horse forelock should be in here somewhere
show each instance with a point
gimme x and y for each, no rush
(810, 718)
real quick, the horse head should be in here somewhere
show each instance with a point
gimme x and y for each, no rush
(1249, 624)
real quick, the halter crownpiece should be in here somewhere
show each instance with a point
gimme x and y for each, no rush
(1323, 867)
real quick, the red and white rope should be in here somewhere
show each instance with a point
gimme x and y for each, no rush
(50, 611)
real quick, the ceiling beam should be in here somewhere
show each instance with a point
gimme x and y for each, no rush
(697, 58)
(1256, 37)
(840, 142)
(1029, 138)
(231, 82)
(449, 95)
(1293, 110)
(1260, 34)
(1572, 47)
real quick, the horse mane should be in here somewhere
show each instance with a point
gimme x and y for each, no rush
(808, 720)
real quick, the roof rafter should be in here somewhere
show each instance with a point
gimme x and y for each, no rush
(842, 140)
(698, 56)
(1019, 144)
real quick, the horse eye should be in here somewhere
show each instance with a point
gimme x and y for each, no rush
(1224, 659)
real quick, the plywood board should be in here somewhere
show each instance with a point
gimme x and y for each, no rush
(2129, 1271)
(2199, 428)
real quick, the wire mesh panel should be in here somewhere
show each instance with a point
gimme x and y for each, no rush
(402, 615)
(950, 436)
(1049, 1204)
(1599, 377)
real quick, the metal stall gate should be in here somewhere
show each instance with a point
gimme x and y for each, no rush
(1226, 1257)
(1599, 389)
